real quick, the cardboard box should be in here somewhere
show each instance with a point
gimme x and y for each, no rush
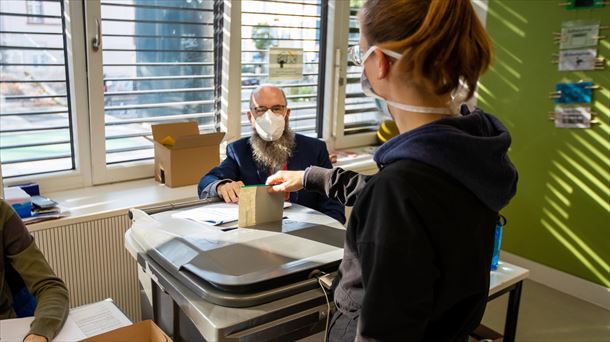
(144, 331)
(182, 155)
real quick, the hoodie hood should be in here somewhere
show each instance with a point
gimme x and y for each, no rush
(471, 148)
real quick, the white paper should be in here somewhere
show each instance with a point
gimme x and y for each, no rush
(577, 59)
(70, 332)
(214, 214)
(578, 34)
(99, 318)
(82, 322)
(285, 64)
(14, 330)
(572, 117)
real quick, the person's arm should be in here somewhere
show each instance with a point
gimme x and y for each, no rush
(397, 263)
(50, 291)
(227, 171)
(329, 206)
(337, 183)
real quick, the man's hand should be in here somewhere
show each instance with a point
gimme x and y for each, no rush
(229, 191)
(286, 181)
(35, 338)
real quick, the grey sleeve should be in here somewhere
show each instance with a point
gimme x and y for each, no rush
(210, 190)
(336, 183)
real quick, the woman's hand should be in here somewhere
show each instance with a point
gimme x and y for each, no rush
(286, 181)
(35, 338)
(229, 191)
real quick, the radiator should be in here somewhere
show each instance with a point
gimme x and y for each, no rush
(91, 259)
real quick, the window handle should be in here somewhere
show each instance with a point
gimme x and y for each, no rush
(97, 40)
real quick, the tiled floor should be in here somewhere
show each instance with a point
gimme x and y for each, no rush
(545, 315)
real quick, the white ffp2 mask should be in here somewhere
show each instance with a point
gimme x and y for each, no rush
(270, 126)
(367, 89)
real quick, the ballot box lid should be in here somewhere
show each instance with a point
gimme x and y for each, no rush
(243, 260)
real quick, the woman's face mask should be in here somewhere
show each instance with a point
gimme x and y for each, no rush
(367, 89)
(270, 126)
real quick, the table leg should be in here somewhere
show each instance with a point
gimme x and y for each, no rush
(512, 313)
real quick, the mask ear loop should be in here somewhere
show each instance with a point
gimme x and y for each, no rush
(458, 97)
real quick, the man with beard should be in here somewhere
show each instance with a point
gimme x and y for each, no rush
(273, 146)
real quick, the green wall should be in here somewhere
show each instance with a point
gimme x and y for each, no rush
(560, 216)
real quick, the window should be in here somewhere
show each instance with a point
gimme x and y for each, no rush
(361, 112)
(35, 113)
(155, 63)
(34, 11)
(80, 93)
(288, 24)
(157, 67)
(352, 117)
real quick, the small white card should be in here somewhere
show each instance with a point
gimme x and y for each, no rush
(578, 34)
(584, 59)
(572, 117)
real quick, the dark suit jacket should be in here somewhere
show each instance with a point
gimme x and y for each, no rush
(240, 166)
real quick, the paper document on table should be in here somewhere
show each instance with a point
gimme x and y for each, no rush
(98, 318)
(214, 214)
(14, 329)
(82, 322)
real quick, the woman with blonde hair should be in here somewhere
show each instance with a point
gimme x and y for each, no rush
(428, 215)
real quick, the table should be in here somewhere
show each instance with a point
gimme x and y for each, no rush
(508, 278)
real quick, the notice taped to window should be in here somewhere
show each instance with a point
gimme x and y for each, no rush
(285, 64)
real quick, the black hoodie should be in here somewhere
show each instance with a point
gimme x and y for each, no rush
(419, 241)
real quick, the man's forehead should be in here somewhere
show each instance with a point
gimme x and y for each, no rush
(268, 95)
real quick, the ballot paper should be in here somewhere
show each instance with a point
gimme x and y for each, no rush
(257, 205)
(82, 322)
(214, 214)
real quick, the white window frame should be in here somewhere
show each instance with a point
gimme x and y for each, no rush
(336, 78)
(230, 105)
(77, 74)
(102, 173)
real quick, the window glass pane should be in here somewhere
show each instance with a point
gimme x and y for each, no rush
(35, 124)
(158, 67)
(361, 112)
(289, 24)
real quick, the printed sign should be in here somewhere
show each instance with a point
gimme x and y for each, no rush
(285, 64)
(578, 34)
(572, 93)
(572, 117)
(570, 60)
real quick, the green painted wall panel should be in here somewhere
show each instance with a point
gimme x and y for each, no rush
(561, 214)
